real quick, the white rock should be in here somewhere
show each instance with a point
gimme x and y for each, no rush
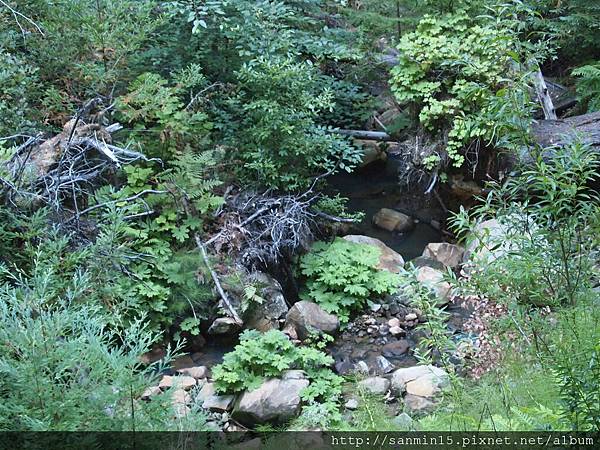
(351, 404)
(449, 255)
(396, 331)
(394, 322)
(375, 385)
(151, 392)
(432, 374)
(434, 279)
(197, 372)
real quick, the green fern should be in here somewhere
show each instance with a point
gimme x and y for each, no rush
(588, 85)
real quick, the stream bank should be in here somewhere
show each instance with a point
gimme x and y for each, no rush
(381, 340)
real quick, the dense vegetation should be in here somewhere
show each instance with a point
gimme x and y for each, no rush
(115, 240)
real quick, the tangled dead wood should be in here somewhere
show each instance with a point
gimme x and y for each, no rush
(261, 228)
(60, 171)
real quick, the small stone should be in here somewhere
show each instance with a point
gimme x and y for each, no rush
(396, 331)
(151, 392)
(351, 404)
(197, 372)
(410, 317)
(375, 307)
(419, 404)
(403, 421)
(396, 349)
(384, 330)
(371, 321)
(182, 362)
(184, 382)
(180, 397)
(166, 382)
(213, 402)
(395, 322)
(383, 365)
(224, 325)
(361, 367)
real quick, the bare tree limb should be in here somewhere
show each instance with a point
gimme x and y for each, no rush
(16, 14)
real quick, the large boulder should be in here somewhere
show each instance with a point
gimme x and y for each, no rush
(275, 401)
(392, 220)
(371, 152)
(421, 381)
(486, 242)
(388, 260)
(265, 316)
(308, 318)
(449, 255)
(434, 279)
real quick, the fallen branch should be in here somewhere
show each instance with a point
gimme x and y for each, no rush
(334, 218)
(213, 274)
(365, 134)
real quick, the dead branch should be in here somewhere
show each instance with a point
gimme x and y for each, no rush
(213, 274)
(64, 169)
(366, 134)
(16, 14)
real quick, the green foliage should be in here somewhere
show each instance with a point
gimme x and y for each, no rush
(588, 85)
(342, 276)
(267, 355)
(581, 389)
(86, 49)
(17, 80)
(543, 255)
(62, 368)
(336, 206)
(453, 70)
(437, 338)
(263, 355)
(284, 147)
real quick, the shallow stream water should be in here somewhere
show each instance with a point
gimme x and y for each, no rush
(375, 187)
(368, 190)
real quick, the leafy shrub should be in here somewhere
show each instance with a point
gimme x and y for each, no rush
(18, 80)
(453, 71)
(62, 368)
(283, 145)
(343, 275)
(263, 355)
(547, 215)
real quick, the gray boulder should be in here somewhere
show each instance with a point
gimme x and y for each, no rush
(307, 318)
(388, 260)
(265, 316)
(375, 385)
(449, 255)
(392, 220)
(434, 280)
(275, 401)
(421, 381)
(224, 325)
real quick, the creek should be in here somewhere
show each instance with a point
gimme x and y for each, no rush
(367, 338)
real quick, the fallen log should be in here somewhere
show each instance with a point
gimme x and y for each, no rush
(365, 134)
(586, 128)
